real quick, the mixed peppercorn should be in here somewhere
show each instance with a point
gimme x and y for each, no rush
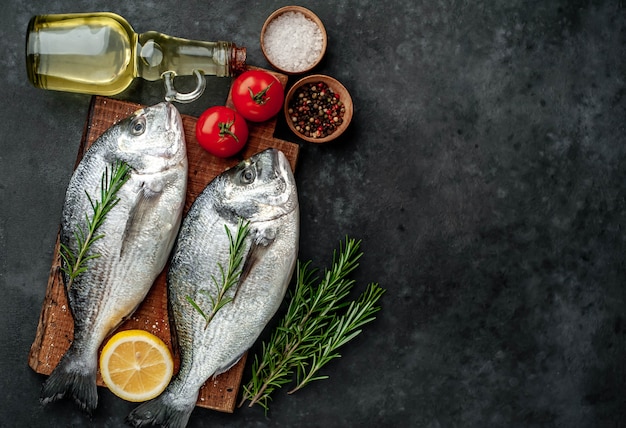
(316, 110)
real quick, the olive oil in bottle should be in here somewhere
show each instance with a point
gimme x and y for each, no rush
(100, 53)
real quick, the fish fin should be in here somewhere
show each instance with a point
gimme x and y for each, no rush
(74, 380)
(161, 411)
(172, 323)
(251, 258)
(261, 240)
(135, 223)
(227, 367)
(255, 253)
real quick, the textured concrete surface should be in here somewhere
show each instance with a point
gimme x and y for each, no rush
(484, 172)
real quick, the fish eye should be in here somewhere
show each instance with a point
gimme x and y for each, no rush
(138, 125)
(248, 175)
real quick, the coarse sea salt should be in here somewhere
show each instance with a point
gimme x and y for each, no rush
(293, 42)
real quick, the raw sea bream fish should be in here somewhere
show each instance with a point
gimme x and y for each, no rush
(139, 234)
(262, 191)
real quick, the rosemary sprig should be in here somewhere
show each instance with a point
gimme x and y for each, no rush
(342, 329)
(76, 264)
(318, 321)
(228, 277)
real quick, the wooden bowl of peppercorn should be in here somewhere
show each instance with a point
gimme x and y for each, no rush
(318, 108)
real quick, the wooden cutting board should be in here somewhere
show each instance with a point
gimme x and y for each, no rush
(56, 326)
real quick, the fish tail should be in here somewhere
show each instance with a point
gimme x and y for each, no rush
(75, 380)
(161, 411)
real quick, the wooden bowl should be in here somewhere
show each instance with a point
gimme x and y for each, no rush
(336, 87)
(308, 63)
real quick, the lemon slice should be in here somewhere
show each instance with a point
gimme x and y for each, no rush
(136, 365)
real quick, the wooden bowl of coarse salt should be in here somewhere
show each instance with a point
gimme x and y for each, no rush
(293, 40)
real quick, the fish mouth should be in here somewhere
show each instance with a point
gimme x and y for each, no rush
(282, 171)
(174, 129)
(173, 120)
(281, 161)
(172, 140)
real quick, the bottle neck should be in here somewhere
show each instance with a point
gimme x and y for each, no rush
(158, 53)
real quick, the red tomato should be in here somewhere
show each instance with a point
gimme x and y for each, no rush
(257, 95)
(221, 131)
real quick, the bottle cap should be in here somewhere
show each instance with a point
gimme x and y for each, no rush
(237, 60)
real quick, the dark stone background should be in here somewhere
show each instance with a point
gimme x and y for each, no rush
(484, 172)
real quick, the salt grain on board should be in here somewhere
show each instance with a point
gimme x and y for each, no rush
(293, 42)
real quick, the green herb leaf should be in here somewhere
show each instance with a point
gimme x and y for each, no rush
(75, 264)
(229, 277)
(319, 320)
(196, 307)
